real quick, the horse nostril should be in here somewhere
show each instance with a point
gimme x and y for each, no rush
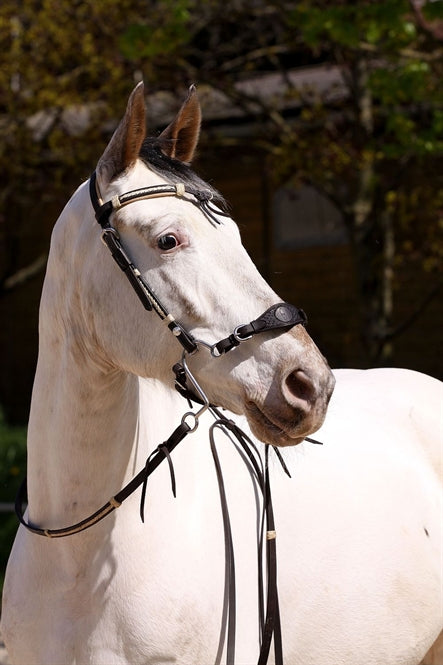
(300, 386)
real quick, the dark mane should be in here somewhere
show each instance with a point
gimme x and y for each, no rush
(175, 171)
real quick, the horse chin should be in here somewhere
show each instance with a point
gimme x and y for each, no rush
(268, 431)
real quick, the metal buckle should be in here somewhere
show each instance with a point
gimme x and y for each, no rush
(109, 230)
(240, 338)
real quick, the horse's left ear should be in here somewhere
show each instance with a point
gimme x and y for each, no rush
(183, 132)
(124, 146)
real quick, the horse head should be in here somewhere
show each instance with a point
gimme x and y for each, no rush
(192, 258)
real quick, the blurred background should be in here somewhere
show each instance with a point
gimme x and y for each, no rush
(323, 128)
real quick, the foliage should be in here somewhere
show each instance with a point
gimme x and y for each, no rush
(386, 143)
(12, 471)
(375, 150)
(62, 76)
(67, 67)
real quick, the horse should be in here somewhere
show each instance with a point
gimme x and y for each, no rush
(358, 530)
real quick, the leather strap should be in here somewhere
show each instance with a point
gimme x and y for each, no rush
(271, 623)
(155, 459)
(111, 239)
(269, 616)
(281, 316)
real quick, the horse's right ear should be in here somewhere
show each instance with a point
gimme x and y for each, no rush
(183, 132)
(124, 146)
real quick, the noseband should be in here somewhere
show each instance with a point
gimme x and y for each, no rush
(279, 317)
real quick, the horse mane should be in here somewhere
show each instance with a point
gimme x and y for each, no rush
(174, 170)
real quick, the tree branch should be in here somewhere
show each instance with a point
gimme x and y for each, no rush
(25, 274)
(410, 320)
(434, 30)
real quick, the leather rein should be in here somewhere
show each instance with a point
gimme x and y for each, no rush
(281, 317)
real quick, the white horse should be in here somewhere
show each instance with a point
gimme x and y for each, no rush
(359, 529)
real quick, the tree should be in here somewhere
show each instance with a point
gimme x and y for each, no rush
(62, 76)
(376, 151)
(51, 53)
(384, 145)
(67, 67)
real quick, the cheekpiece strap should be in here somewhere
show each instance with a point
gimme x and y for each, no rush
(111, 239)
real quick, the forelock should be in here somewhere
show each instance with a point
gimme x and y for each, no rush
(173, 170)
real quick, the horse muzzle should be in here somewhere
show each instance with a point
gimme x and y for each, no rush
(296, 409)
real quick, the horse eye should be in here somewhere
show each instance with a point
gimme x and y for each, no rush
(167, 242)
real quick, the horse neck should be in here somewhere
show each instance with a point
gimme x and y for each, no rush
(86, 437)
(85, 434)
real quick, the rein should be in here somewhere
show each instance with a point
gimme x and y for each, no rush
(281, 316)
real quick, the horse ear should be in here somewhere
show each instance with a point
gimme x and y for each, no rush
(124, 146)
(183, 132)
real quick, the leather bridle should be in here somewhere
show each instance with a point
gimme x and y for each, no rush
(279, 317)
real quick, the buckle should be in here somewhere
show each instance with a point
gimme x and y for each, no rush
(109, 231)
(238, 336)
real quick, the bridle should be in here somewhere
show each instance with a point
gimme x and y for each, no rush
(279, 317)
